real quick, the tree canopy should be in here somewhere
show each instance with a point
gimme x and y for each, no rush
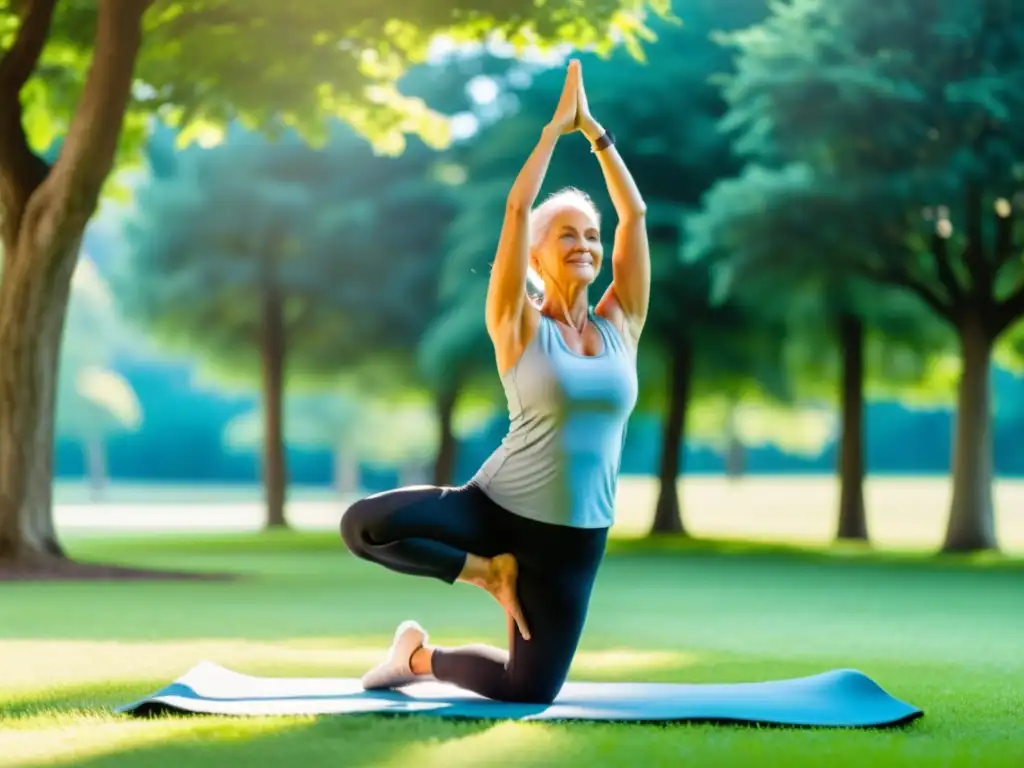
(203, 65)
(229, 226)
(925, 196)
(932, 185)
(90, 76)
(277, 262)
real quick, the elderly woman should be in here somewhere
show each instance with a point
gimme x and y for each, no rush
(530, 527)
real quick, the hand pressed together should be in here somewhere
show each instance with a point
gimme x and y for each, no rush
(585, 121)
(573, 110)
(565, 117)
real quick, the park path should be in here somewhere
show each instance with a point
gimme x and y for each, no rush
(904, 513)
(202, 516)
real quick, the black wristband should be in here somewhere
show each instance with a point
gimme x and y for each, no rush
(604, 141)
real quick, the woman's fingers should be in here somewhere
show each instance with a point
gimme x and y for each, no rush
(520, 620)
(515, 612)
(572, 76)
(567, 112)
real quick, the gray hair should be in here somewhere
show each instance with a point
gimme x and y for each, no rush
(540, 222)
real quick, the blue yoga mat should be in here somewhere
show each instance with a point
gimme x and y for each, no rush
(838, 698)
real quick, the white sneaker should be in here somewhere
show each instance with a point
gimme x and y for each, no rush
(395, 671)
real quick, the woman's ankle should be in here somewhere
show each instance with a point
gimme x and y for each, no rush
(476, 570)
(422, 661)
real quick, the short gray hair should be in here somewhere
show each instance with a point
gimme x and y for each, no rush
(542, 216)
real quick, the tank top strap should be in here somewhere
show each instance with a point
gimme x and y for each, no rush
(609, 333)
(544, 332)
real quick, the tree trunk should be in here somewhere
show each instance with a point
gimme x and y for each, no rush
(971, 524)
(444, 463)
(43, 213)
(735, 451)
(852, 523)
(38, 514)
(667, 516)
(273, 364)
(346, 470)
(96, 461)
(29, 369)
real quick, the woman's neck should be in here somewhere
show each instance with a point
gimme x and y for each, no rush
(573, 311)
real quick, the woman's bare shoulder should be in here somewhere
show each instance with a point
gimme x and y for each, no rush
(511, 341)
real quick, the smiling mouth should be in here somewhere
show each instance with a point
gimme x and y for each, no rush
(580, 260)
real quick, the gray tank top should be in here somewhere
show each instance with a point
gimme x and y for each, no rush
(559, 461)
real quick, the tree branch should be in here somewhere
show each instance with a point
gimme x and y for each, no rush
(974, 250)
(895, 272)
(900, 278)
(1004, 238)
(21, 174)
(72, 191)
(1008, 311)
(939, 252)
(21, 170)
(21, 58)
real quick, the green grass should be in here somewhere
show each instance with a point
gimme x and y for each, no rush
(945, 634)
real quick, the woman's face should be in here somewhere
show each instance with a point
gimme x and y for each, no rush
(570, 252)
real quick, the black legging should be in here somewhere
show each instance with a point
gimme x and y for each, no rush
(428, 531)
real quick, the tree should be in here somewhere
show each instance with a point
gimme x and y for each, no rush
(380, 432)
(93, 400)
(264, 257)
(768, 252)
(200, 66)
(456, 360)
(699, 348)
(327, 420)
(932, 187)
(404, 434)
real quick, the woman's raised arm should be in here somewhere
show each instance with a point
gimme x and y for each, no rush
(630, 291)
(506, 291)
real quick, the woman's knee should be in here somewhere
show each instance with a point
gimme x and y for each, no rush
(356, 521)
(541, 666)
(535, 691)
(540, 685)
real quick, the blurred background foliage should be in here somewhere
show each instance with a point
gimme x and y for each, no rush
(286, 282)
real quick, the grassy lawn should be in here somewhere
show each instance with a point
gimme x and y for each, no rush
(945, 635)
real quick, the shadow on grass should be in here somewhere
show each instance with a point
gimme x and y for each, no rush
(357, 740)
(257, 542)
(91, 698)
(136, 548)
(82, 729)
(963, 720)
(427, 742)
(380, 740)
(840, 552)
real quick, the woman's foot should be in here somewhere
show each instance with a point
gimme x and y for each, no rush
(396, 669)
(498, 577)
